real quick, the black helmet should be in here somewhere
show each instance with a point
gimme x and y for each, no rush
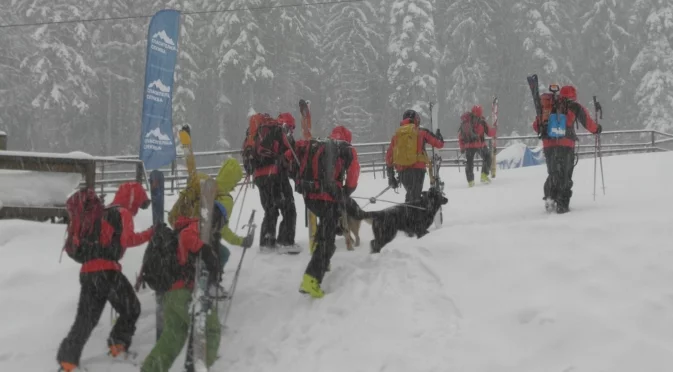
(413, 115)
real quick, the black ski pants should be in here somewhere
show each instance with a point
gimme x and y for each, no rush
(412, 179)
(485, 154)
(328, 218)
(96, 289)
(560, 165)
(276, 196)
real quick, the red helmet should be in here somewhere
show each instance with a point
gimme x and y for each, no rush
(569, 92)
(477, 110)
(341, 133)
(287, 119)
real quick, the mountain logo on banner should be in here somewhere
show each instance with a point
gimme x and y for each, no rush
(162, 42)
(157, 91)
(155, 140)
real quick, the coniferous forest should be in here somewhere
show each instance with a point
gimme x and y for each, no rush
(79, 85)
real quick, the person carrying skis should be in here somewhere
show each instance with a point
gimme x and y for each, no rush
(559, 149)
(273, 139)
(102, 280)
(320, 178)
(229, 175)
(473, 127)
(406, 154)
(176, 300)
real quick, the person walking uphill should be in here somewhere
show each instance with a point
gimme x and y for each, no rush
(471, 141)
(328, 174)
(229, 175)
(100, 276)
(407, 155)
(558, 142)
(176, 300)
(273, 139)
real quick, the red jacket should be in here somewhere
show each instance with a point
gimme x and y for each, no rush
(575, 112)
(189, 241)
(424, 136)
(128, 200)
(480, 129)
(340, 133)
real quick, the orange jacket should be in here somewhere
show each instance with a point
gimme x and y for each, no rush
(424, 136)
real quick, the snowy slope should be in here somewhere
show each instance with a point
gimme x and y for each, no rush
(502, 286)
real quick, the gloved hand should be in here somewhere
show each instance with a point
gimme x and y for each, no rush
(348, 191)
(439, 135)
(247, 242)
(600, 129)
(462, 151)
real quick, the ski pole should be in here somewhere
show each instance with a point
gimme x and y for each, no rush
(597, 145)
(392, 202)
(372, 200)
(595, 159)
(251, 232)
(600, 160)
(240, 212)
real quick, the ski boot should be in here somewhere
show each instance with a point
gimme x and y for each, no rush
(484, 178)
(310, 286)
(470, 184)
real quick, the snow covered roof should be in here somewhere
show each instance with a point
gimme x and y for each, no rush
(77, 155)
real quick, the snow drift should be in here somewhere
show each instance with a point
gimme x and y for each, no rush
(502, 286)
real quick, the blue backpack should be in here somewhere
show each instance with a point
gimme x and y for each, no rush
(556, 126)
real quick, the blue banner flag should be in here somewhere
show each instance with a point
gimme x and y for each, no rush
(157, 143)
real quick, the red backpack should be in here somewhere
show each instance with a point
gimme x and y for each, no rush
(269, 141)
(86, 211)
(466, 131)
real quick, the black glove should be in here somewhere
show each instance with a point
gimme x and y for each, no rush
(599, 129)
(439, 135)
(392, 182)
(348, 191)
(247, 242)
(462, 151)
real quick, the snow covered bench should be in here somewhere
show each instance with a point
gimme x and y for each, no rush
(36, 185)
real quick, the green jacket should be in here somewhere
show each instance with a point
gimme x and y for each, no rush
(229, 175)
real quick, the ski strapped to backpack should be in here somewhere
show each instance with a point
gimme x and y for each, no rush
(86, 213)
(551, 111)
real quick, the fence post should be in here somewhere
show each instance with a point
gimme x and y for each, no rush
(653, 139)
(3, 140)
(102, 177)
(174, 165)
(383, 153)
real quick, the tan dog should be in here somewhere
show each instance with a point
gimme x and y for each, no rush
(351, 231)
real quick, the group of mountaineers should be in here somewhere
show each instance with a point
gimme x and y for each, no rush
(324, 171)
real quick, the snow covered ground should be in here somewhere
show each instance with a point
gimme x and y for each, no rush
(502, 286)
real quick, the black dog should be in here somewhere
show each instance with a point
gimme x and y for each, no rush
(413, 218)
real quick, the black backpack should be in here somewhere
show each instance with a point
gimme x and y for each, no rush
(318, 159)
(160, 263)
